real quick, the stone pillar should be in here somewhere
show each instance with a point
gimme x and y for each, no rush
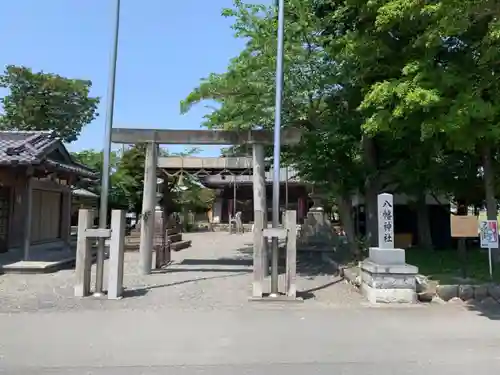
(385, 276)
(258, 255)
(28, 204)
(259, 197)
(83, 255)
(116, 255)
(291, 253)
(148, 209)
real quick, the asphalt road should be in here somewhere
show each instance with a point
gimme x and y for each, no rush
(279, 369)
(276, 340)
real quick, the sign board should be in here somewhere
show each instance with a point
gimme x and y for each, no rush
(488, 234)
(463, 226)
(385, 213)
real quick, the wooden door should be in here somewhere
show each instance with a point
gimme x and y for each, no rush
(4, 218)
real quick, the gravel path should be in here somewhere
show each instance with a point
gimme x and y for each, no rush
(214, 273)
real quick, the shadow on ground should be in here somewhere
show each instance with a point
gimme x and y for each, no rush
(309, 293)
(140, 292)
(309, 266)
(489, 309)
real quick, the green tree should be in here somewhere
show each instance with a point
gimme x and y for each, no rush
(94, 159)
(329, 154)
(390, 94)
(447, 84)
(45, 101)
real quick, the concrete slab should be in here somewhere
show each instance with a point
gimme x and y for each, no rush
(42, 261)
(25, 267)
(278, 299)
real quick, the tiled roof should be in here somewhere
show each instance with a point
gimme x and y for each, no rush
(84, 193)
(33, 148)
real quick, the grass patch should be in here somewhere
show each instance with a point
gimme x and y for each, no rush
(445, 266)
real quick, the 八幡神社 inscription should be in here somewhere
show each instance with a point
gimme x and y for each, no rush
(385, 208)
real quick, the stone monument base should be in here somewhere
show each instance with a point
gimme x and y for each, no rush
(386, 278)
(317, 233)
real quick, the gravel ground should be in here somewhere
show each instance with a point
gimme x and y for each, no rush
(214, 273)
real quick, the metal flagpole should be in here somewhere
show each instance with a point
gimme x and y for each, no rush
(103, 209)
(277, 146)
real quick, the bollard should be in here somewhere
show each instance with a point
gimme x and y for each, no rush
(83, 256)
(116, 255)
(258, 255)
(291, 253)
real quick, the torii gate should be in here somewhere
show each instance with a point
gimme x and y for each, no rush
(155, 137)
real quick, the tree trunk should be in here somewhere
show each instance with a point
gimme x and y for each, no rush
(371, 217)
(346, 219)
(371, 191)
(489, 189)
(462, 207)
(423, 223)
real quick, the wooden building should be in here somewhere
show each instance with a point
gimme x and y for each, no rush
(36, 175)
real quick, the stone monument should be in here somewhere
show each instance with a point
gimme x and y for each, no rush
(385, 276)
(317, 232)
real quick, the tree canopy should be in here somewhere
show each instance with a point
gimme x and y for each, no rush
(45, 101)
(395, 95)
(127, 180)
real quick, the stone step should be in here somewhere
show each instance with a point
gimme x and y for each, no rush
(175, 237)
(172, 231)
(181, 245)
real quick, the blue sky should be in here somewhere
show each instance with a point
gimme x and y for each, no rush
(165, 47)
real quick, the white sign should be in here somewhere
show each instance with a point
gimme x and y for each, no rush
(488, 233)
(385, 209)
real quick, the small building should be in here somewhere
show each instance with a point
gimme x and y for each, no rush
(82, 199)
(232, 180)
(235, 193)
(36, 175)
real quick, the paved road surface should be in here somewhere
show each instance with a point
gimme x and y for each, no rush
(195, 319)
(259, 340)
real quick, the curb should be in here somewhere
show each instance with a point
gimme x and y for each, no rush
(467, 292)
(444, 292)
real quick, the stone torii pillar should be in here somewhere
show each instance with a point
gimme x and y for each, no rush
(148, 209)
(260, 216)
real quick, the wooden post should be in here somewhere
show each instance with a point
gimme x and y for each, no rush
(291, 253)
(116, 255)
(258, 248)
(28, 203)
(83, 255)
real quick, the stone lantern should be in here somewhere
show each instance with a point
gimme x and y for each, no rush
(317, 199)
